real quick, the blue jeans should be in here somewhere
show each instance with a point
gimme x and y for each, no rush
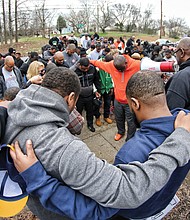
(122, 114)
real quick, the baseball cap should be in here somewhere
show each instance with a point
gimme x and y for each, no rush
(13, 195)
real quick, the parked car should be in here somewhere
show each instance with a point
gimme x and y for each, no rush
(162, 41)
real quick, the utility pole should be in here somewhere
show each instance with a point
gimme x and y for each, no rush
(161, 21)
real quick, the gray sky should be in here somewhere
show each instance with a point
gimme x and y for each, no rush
(171, 8)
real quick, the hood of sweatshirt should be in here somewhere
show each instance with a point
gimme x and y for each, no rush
(37, 105)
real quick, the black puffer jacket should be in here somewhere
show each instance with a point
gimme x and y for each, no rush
(178, 88)
(87, 79)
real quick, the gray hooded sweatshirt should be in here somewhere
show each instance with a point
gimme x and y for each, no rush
(42, 115)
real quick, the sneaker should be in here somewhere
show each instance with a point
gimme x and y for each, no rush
(91, 128)
(108, 120)
(118, 137)
(98, 122)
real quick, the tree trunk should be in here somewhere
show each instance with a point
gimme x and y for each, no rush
(103, 30)
(4, 22)
(1, 32)
(43, 21)
(16, 21)
(10, 24)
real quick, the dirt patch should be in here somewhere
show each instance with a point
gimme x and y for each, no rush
(25, 47)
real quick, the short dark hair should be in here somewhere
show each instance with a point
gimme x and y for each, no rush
(92, 46)
(82, 51)
(63, 81)
(11, 93)
(84, 61)
(145, 85)
(50, 66)
(34, 55)
(98, 45)
(11, 50)
(168, 51)
(119, 61)
(53, 47)
(108, 57)
(107, 49)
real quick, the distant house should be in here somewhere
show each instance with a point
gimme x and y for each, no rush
(66, 30)
(111, 28)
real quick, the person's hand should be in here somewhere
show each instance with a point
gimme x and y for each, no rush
(111, 92)
(4, 103)
(98, 95)
(183, 120)
(22, 161)
(36, 79)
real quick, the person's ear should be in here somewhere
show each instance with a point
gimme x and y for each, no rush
(71, 99)
(182, 53)
(135, 104)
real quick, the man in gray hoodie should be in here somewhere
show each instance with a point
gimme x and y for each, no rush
(41, 113)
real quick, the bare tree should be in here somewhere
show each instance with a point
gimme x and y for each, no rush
(103, 15)
(44, 15)
(87, 8)
(4, 22)
(119, 13)
(24, 21)
(176, 26)
(17, 4)
(1, 32)
(133, 18)
(76, 19)
(10, 23)
(147, 24)
(16, 21)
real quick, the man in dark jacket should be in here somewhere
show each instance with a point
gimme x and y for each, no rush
(25, 65)
(48, 54)
(10, 76)
(178, 86)
(88, 76)
(18, 60)
(130, 42)
(58, 60)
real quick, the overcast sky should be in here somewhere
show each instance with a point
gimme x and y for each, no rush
(171, 8)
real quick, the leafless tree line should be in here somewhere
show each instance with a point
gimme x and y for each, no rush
(28, 18)
(24, 18)
(102, 14)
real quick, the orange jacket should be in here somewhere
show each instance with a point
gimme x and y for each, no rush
(120, 43)
(120, 79)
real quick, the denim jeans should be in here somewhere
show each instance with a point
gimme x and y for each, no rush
(122, 114)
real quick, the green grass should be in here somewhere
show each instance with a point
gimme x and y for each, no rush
(31, 39)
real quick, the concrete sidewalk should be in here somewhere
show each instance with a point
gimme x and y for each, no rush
(102, 142)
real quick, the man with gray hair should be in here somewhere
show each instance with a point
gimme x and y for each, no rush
(178, 86)
(70, 55)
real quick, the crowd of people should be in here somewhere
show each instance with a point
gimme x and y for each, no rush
(46, 96)
(101, 91)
